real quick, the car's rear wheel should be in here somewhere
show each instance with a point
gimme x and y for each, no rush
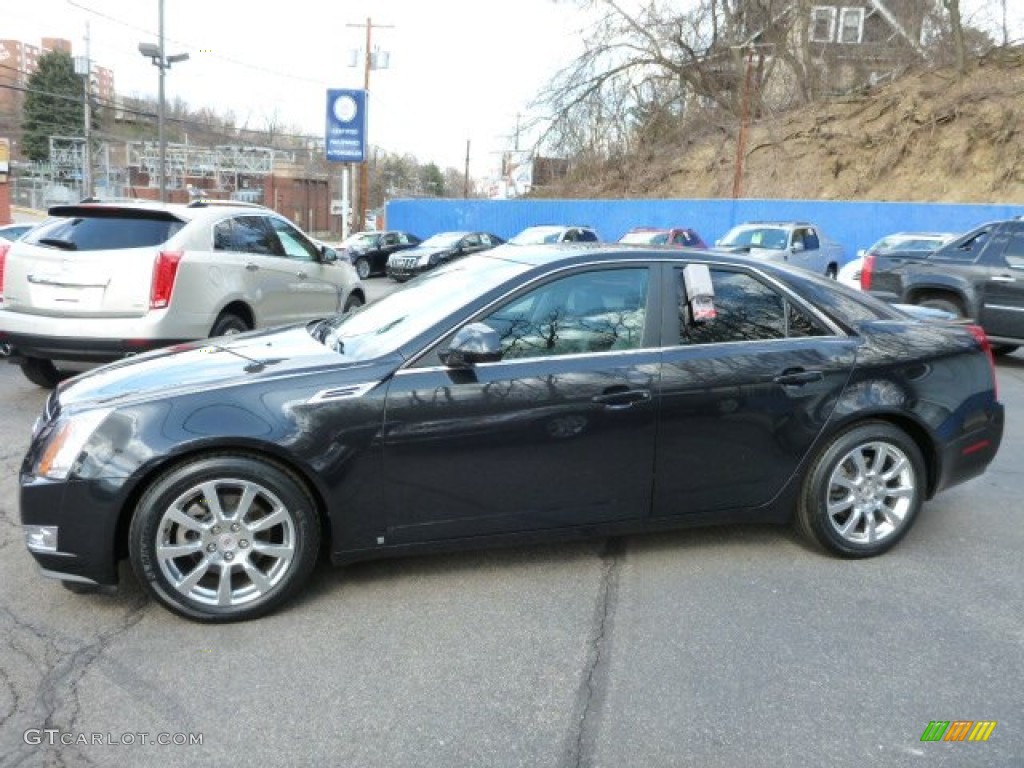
(224, 538)
(42, 373)
(362, 268)
(863, 491)
(950, 305)
(227, 324)
(832, 272)
(352, 302)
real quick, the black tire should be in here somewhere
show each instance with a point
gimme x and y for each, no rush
(227, 324)
(832, 272)
(354, 301)
(950, 305)
(862, 496)
(1004, 349)
(362, 266)
(42, 373)
(265, 563)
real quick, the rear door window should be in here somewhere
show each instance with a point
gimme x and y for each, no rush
(746, 310)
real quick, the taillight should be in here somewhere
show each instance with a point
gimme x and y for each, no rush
(979, 333)
(164, 271)
(866, 270)
(3, 261)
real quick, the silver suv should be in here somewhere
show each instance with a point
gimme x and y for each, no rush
(100, 281)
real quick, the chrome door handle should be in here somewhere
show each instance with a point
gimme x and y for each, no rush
(797, 378)
(252, 267)
(301, 275)
(1003, 279)
(622, 398)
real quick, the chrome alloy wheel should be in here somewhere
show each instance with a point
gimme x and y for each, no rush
(870, 492)
(225, 542)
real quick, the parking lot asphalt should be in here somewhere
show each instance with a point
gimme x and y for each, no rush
(735, 646)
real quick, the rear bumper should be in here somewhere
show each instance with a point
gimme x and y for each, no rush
(95, 339)
(969, 455)
(78, 349)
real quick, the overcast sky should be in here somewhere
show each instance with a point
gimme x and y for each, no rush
(459, 69)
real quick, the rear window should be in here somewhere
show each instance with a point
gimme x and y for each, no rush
(87, 233)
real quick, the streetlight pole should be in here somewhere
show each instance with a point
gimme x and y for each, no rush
(163, 63)
(83, 67)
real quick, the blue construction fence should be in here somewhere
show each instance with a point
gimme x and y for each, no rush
(854, 224)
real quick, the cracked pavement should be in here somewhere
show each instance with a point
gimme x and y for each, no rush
(723, 647)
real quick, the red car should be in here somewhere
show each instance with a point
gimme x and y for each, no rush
(658, 236)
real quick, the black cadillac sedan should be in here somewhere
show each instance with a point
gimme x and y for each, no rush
(437, 250)
(522, 393)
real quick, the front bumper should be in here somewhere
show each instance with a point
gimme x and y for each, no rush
(86, 518)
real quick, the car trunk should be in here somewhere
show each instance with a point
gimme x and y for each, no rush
(90, 262)
(47, 281)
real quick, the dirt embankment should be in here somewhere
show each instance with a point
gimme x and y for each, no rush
(930, 136)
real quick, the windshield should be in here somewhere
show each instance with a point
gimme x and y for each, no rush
(443, 239)
(387, 324)
(757, 237)
(910, 243)
(537, 235)
(360, 240)
(647, 238)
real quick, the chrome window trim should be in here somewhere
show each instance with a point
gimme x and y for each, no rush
(821, 317)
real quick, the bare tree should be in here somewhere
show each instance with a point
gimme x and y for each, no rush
(957, 30)
(645, 69)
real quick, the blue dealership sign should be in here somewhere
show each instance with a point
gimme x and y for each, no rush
(346, 125)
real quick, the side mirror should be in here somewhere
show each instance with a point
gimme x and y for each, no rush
(797, 247)
(475, 343)
(328, 254)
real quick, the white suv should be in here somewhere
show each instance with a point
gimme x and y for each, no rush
(554, 234)
(99, 281)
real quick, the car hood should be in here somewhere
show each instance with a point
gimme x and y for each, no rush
(210, 363)
(750, 250)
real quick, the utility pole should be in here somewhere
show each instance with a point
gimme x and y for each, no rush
(465, 177)
(84, 68)
(363, 198)
(741, 140)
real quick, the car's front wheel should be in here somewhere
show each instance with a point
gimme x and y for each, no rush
(362, 266)
(863, 491)
(224, 538)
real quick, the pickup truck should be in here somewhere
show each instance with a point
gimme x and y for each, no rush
(793, 242)
(979, 275)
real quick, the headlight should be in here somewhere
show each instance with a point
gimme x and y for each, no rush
(65, 443)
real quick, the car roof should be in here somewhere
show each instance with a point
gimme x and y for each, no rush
(184, 211)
